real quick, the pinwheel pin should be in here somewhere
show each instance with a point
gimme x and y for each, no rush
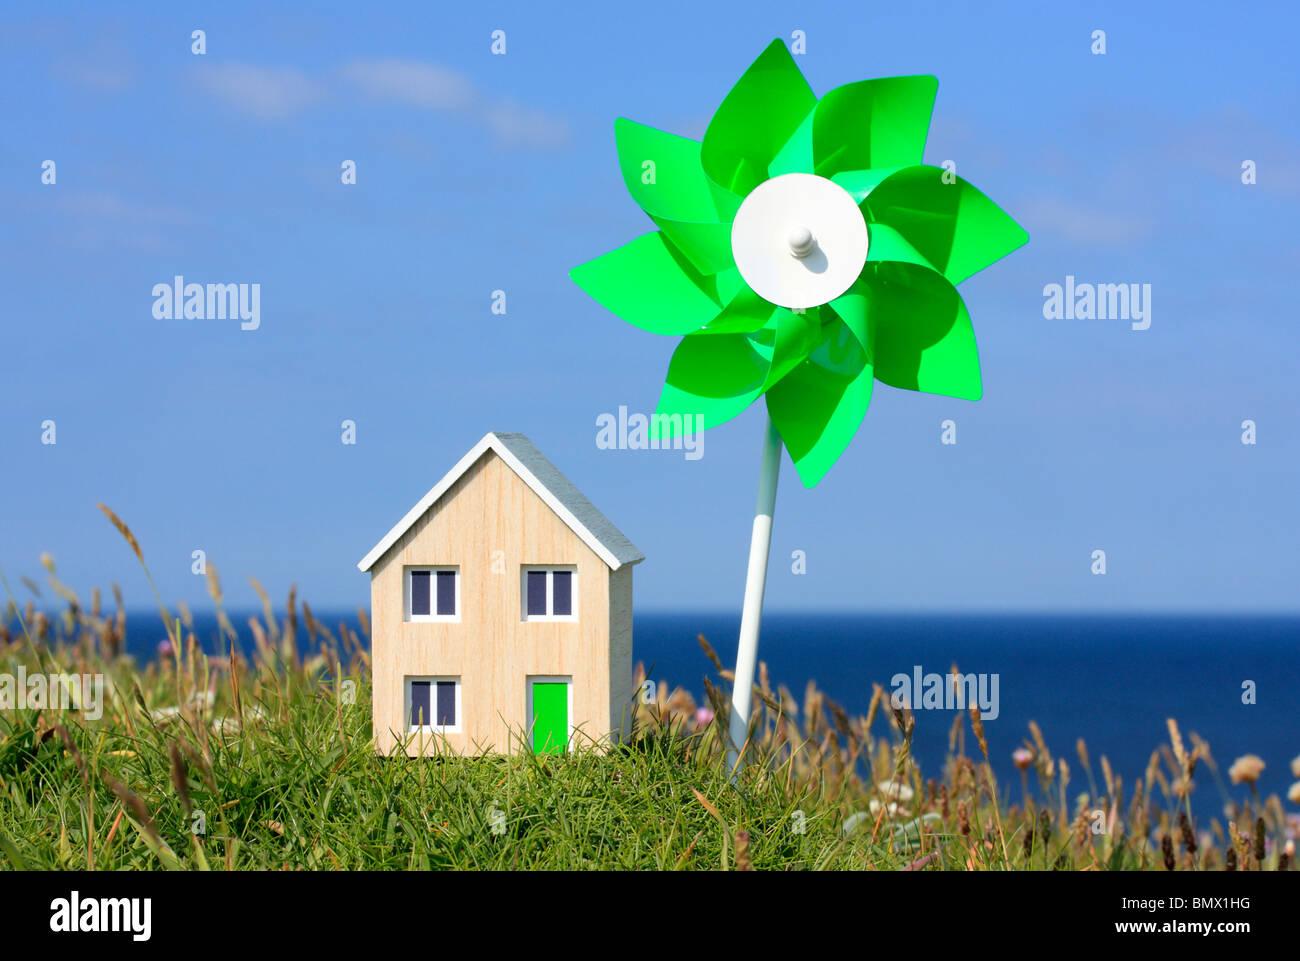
(803, 251)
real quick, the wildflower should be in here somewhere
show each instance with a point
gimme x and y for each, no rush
(1022, 757)
(892, 810)
(895, 790)
(1246, 768)
(165, 714)
(165, 648)
(703, 716)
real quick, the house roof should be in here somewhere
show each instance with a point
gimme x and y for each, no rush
(559, 493)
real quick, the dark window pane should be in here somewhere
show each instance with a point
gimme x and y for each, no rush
(537, 592)
(421, 716)
(419, 592)
(447, 703)
(447, 593)
(562, 593)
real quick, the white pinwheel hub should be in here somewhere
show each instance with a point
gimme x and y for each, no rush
(799, 240)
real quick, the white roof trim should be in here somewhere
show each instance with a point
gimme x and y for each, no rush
(491, 442)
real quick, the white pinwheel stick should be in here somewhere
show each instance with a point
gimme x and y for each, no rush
(799, 241)
(751, 615)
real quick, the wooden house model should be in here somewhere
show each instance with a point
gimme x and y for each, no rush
(501, 613)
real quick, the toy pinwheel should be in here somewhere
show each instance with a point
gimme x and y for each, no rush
(803, 252)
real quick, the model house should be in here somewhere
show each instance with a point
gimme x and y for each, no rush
(501, 613)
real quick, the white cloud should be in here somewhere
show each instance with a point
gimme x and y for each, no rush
(100, 221)
(100, 77)
(1080, 223)
(112, 207)
(406, 81)
(268, 93)
(432, 87)
(1218, 143)
(515, 124)
(1152, 153)
(272, 93)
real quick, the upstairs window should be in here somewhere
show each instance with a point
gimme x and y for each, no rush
(432, 594)
(549, 594)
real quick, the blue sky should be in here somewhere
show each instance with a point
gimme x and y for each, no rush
(478, 173)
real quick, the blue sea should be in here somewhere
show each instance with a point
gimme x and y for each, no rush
(1112, 680)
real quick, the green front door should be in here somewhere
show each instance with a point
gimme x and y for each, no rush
(550, 717)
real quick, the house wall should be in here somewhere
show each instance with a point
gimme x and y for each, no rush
(621, 694)
(491, 648)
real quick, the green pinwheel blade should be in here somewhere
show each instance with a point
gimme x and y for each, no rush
(786, 341)
(745, 313)
(945, 219)
(796, 154)
(887, 244)
(706, 246)
(818, 406)
(922, 334)
(729, 285)
(664, 176)
(755, 120)
(871, 125)
(859, 183)
(711, 378)
(715, 376)
(650, 284)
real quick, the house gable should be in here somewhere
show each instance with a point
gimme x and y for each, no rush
(488, 522)
(545, 480)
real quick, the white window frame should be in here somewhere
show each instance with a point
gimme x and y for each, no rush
(565, 679)
(433, 680)
(550, 592)
(433, 570)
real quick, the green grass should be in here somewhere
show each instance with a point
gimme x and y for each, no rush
(264, 760)
(299, 787)
(296, 785)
